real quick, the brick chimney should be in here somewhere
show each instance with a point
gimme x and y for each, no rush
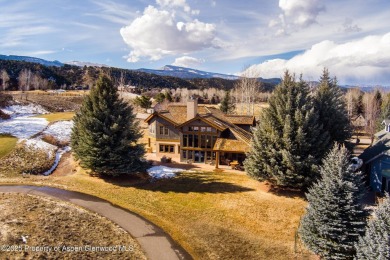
(192, 108)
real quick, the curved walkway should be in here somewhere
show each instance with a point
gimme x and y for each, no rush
(153, 240)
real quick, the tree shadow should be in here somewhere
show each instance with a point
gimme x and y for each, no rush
(194, 182)
(287, 192)
(199, 182)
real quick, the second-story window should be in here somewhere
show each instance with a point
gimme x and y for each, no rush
(164, 130)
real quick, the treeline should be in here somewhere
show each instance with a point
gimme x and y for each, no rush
(70, 77)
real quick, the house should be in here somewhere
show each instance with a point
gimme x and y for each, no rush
(199, 133)
(377, 160)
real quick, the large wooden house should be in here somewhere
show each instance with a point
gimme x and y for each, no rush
(199, 134)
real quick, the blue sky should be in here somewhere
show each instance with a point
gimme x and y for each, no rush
(264, 37)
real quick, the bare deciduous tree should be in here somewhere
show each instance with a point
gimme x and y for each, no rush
(4, 80)
(245, 92)
(24, 80)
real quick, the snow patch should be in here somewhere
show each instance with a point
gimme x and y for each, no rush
(41, 145)
(59, 154)
(23, 127)
(60, 130)
(26, 110)
(163, 172)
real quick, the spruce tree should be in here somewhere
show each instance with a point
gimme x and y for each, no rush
(227, 106)
(332, 110)
(105, 133)
(334, 217)
(375, 244)
(289, 142)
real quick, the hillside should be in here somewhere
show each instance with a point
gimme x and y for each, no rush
(70, 76)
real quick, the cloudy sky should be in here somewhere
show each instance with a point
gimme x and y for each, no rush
(350, 37)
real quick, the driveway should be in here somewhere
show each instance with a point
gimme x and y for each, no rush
(153, 240)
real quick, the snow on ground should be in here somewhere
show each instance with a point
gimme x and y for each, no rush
(59, 154)
(60, 130)
(42, 145)
(23, 127)
(25, 110)
(162, 172)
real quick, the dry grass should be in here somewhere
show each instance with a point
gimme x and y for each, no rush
(23, 159)
(8, 143)
(53, 117)
(212, 215)
(242, 109)
(49, 222)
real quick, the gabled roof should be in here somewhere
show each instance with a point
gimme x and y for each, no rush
(214, 123)
(382, 146)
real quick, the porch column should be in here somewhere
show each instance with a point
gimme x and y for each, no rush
(216, 160)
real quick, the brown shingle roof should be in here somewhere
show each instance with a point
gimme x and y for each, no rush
(229, 145)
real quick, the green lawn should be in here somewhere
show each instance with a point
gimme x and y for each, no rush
(58, 116)
(7, 144)
(212, 215)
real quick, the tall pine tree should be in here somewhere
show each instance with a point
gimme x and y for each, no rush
(105, 133)
(375, 244)
(335, 217)
(227, 106)
(332, 110)
(289, 142)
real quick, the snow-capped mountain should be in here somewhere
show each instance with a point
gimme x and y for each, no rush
(84, 63)
(187, 73)
(31, 59)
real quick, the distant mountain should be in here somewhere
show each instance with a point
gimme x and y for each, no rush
(31, 59)
(84, 63)
(188, 73)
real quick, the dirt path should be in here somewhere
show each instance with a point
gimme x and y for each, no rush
(153, 240)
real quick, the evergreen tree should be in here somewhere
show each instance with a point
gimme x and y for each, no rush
(143, 101)
(168, 96)
(288, 143)
(375, 244)
(160, 97)
(359, 108)
(105, 133)
(335, 217)
(227, 106)
(332, 110)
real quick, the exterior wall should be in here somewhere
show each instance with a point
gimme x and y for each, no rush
(173, 133)
(165, 143)
(152, 128)
(169, 138)
(376, 168)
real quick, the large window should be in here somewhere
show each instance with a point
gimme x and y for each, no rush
(167, 148)
(164, 130)
(199, 141)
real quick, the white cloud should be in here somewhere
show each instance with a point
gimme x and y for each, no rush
(157, 33)
(365, 60)
(188, 62)
(296, 14)
(175, 4)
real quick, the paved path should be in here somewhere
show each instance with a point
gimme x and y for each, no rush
(153, 240)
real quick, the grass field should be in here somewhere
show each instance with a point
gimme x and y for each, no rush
(7, 144)
(53, 117)
(212, 215)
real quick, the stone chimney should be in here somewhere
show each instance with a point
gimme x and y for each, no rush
(192, 108)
